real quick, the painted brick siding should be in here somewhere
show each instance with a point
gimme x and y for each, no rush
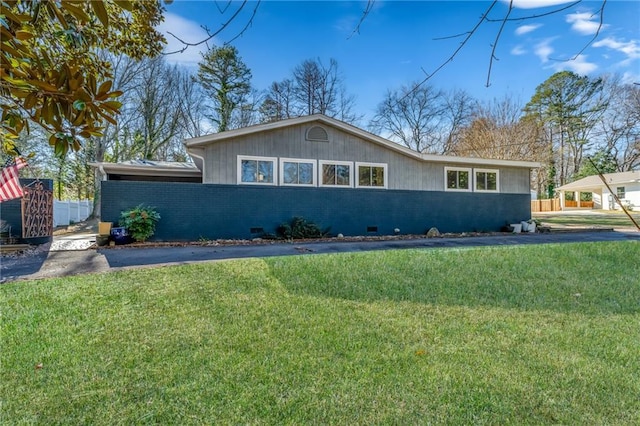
(193, 211)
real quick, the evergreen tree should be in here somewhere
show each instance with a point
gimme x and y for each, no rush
(227, 81)
(568, 106)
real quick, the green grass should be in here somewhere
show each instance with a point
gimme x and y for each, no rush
(596, 219)
(506, 335)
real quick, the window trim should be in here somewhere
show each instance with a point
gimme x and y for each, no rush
(367, 164)
(314, 179)
(624, 192)
(459, 169)
(475, 177)
(273, 160)
(322, 163)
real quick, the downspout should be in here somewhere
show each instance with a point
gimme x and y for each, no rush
(97, 198)
(201, 158)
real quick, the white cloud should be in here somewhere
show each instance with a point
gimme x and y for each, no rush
(524, 29)
(579, 65)
(631, 78)
(186, 30)
(631, 48)
(543, 50)
(532, 4)
(584, 23)
(518, 50)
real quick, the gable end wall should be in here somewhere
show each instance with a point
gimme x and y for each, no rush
(404, 173)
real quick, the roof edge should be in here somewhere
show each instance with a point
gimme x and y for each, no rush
(145, 170)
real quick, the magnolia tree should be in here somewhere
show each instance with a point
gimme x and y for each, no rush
(50, 71)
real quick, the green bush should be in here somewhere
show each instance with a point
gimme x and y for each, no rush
(140, 222)
(299, 228)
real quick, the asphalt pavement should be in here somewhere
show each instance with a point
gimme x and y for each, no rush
(46, 263)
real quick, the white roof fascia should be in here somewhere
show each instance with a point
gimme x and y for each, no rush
(111, 168)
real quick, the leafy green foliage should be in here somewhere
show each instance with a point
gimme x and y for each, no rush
(50, 71)
(140, 222)
(603, 162)
(299, 228)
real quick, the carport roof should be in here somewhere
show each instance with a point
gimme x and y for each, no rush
(594, 182)
(149, 168)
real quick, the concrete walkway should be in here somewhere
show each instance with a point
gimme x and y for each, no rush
(45, 263)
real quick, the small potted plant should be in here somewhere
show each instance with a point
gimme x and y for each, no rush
(139, 222)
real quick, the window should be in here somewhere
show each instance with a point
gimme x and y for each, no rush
(620, 192)
(457, 179)
(486, 180)
(336, 173)
(318, 134)
(257, 170)
(371, 175)
(297, 172)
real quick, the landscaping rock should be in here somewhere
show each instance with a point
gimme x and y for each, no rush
(433, 233)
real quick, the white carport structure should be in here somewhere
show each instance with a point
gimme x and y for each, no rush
(626, 185)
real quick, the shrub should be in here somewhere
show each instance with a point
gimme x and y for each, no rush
(140, 222)
(300, 227)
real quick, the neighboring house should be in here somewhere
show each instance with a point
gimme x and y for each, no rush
(329, 172)
(626, 185)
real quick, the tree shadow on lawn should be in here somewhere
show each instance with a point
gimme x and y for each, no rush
(615, 220)
(585, 278)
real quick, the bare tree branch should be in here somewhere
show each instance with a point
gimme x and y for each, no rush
(249, 23)
(451, 36)
(462, 44)
(495, 43)
(365, 13)
(595, 36)
(540, 15)
(211, 35)
(225, 8)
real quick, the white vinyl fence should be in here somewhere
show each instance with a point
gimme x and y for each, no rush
(68, 212)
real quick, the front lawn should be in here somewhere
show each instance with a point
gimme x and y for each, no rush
(599, 218)
(506, 335)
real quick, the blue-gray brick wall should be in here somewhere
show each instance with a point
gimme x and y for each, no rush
(203, 211)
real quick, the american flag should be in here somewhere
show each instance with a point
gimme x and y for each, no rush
(9, 181)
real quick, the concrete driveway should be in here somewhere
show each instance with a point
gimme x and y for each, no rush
(45, 263)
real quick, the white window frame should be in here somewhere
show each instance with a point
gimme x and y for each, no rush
(475, 177)
(314, 171)
(335, 163)
(459, 169)
(274, 160)
(356, 179)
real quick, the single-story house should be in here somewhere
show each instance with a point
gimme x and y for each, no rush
(324, 170)
(626, 185)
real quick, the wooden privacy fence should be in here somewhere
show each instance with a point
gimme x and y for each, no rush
(582, 204)
(550, 205)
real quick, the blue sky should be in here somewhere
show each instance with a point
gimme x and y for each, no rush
(397, 42)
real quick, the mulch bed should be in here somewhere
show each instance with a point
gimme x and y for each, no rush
(263, 241)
